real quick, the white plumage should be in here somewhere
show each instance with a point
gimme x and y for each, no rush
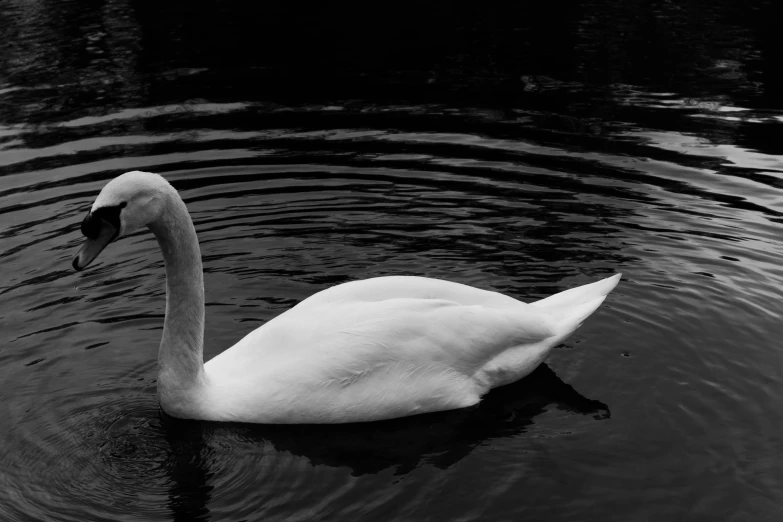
(365, 350)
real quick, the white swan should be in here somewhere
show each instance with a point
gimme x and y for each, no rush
(361, 351)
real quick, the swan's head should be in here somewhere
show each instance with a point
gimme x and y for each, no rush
(126, 203)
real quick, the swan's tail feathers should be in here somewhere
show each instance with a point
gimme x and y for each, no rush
(570, 308)
(570, 298)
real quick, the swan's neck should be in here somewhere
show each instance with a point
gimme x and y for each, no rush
(180, 357)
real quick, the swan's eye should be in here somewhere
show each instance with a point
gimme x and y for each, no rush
(123, 204)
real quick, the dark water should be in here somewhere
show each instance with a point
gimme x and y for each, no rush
(516, 151)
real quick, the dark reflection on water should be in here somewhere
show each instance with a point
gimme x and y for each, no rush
(189, 493)
(67, 58)
(520, 150)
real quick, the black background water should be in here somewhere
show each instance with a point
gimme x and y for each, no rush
(517, 149)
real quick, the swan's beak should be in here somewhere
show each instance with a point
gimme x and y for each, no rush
(99, 233)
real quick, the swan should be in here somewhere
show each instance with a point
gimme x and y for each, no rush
(360, 351)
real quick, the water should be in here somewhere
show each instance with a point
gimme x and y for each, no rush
(484, 149)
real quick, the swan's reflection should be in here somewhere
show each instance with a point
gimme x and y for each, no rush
(441, 439)
(190, 490)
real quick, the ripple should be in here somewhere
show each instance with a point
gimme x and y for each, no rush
(288, 200)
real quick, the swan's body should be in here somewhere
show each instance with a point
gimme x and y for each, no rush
(361, 351)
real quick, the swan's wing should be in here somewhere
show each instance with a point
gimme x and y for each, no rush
(395, 287)
(359, 361)
(325, 340)
(461, 336)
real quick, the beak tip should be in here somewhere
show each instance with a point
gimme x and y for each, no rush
(75, 264)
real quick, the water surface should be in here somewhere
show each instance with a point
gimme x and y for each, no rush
(458, 154)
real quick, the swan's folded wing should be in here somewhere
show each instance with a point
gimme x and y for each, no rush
(463, 337)
(424, 331)
(370, 360)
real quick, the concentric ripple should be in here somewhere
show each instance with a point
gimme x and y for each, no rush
(667, 393)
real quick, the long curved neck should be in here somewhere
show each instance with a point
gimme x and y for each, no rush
(180, 357)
